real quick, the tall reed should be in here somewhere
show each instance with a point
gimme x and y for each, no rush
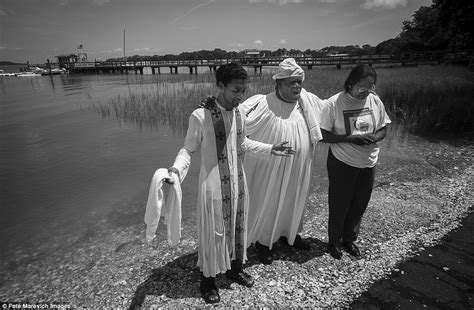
(426, 100)
(430, 100)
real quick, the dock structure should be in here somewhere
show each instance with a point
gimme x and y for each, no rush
(192, 65)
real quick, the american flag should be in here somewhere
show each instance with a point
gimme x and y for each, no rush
(80, 46)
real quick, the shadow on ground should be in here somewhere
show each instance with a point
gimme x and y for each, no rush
(180, 278)
(441, 277)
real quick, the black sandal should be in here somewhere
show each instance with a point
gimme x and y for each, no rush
(211, 296)
(209, 291)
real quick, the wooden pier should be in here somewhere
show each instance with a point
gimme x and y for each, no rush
(160, 66)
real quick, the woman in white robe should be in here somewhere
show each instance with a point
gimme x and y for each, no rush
(278, 188)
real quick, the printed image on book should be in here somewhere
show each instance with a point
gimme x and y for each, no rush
(359, 121)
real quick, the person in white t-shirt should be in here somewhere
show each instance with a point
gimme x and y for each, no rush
(353, 121)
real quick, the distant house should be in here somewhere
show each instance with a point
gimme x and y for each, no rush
(337, 55)
(68, 60)
(252, 54)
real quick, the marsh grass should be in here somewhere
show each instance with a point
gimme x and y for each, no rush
(428, 100)
(434, 101)
(170, 103)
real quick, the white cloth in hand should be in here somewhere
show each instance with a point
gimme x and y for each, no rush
(171, 207)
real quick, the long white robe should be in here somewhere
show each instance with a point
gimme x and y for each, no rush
(278, 188)
(213, 250)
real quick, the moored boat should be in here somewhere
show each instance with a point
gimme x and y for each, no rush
(27, 74)
(54, 71)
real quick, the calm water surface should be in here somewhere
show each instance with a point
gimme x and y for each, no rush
(64, 169)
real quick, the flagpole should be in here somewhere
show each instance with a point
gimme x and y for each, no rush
(124, 44)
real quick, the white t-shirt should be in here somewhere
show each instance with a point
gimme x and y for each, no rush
(346, 115)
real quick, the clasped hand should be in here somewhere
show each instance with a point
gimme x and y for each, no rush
(364, 139)
(280, 149)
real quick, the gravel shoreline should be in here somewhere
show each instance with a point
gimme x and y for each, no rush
(411, 208)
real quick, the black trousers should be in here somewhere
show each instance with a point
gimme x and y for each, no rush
(350, 189)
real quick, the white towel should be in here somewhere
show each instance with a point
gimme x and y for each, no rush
(311, 106)
(171, 207)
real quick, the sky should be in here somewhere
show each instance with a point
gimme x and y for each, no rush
(37, 30)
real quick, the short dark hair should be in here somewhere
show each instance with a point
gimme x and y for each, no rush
(229, 72)
(358, 73)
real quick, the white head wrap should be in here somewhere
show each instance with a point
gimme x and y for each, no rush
(288, 68)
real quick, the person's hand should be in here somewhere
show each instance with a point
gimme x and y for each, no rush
(171, 170)
(371, 137)
(360, 139)
(208, 102)
(280, 149)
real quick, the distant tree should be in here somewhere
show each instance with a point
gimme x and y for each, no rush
(265, 53)
(5, 63)
(219, 53)
(169, 57)
(368, 49)
(424, 32)
(280, 52)
(232, 54)
(456, 18)
(446, 24)
(389, 46)
(295, 52)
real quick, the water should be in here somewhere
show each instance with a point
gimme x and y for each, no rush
(63, 167)
(65, 170)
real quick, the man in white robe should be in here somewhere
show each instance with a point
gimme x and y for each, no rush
(278, 188)
(217, 128)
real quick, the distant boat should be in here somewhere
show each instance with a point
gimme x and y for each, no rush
(3, 73)
(36, 71)
(27, 74)
(54, 71)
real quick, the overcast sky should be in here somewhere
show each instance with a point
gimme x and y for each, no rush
(36, 30)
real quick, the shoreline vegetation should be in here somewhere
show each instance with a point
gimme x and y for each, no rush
(433, 101)
(415, 203)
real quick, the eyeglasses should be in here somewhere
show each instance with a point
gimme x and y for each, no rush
(365, 89)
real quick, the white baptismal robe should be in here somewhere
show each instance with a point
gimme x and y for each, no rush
(213, 251)
(278, 188)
